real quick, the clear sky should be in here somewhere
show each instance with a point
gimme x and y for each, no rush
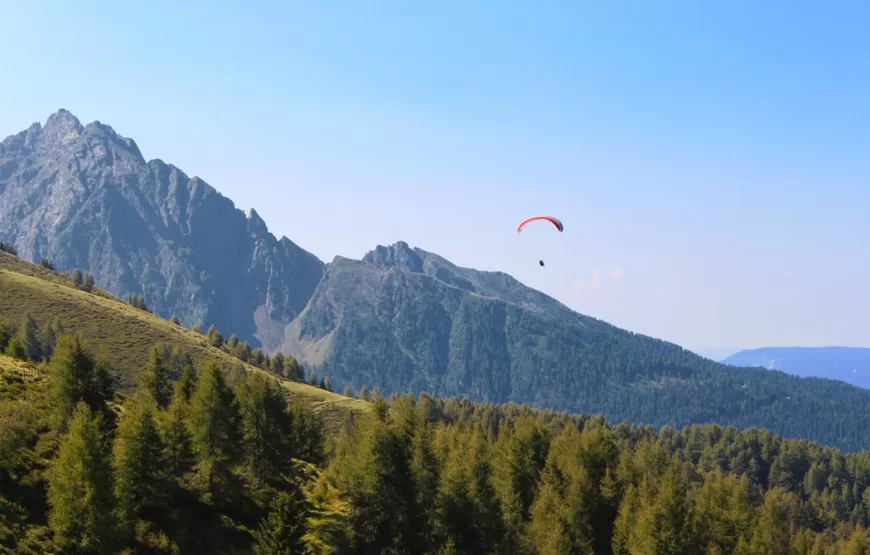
(710, 160)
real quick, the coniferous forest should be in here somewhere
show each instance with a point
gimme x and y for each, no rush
(197, 459)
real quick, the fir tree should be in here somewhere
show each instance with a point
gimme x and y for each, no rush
(265, 426)
(282, 531)
(140, 466)
(30, 338)
(276, 364)
(80, 487)
(186, 383)
(214, 428)
(15, 349)
(155, 380)
(7, 332)
(257, 357)
(178, 447)
(77, 277)
(75, 376)
(88, 282)
(174, 320)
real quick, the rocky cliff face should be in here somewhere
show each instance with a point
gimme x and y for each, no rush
(84, 197)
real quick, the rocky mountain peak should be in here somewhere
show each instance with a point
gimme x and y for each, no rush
(398, 256)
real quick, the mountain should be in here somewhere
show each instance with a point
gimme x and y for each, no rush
(848, 364)
(84, 197)
(401, 318)
(716, 353)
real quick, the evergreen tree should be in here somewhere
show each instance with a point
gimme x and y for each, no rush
(282, 531)
(48, 338)
(46, 263)
(88, 282)
(75, 376)
(234, 341)
(140, 466)
(30, 338)
(155, 380)
(257, 357)
(178, 452)
(214, 428)
(312, 380)
(292, 369)
(380, 489)
(276, 365)
(266, 426)
(7, 332)
(307, 435)
(243, 351)
(80, 487)
(348, 391)
(214, 337)
(77, 277)
(174, 320)
(15, 349)
(364, 393)
(186, 383)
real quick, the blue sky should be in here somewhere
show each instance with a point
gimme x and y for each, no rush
(710, 160)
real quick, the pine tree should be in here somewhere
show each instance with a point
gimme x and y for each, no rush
(348, 391)
(75, 376)
(174, 320)
(6, 333)
(88, 284)
(46, 263)
(186, 383)
(214, 427)
(155, 380)
(243, 351)
(282, 531)
(364, 393)
(307, 437)
(30, 338)
(214, 337)
(80, 488)
(234, 341)
(265, 426)
(257, 357)
(140, 466)
(48, 338)
(380, 488)
(178, 447)
(77, 277)
(276, 365)
(312, 380)
(15, 349)
(292, 369)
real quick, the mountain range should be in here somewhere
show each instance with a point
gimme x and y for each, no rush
(401, 318)
(848, 364)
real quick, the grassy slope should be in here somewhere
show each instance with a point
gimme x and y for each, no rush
(126, 333)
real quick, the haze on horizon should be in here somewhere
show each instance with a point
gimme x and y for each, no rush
(710, 163)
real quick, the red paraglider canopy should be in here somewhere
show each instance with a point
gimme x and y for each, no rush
(550, 219)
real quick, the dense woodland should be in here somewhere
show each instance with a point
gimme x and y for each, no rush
(197, 460)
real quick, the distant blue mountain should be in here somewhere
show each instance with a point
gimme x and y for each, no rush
(848, 364)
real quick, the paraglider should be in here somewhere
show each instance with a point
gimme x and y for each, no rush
(550, 219)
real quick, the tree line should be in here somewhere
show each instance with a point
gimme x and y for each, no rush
(216, 461)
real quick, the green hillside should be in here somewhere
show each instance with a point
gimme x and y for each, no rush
(124, 333)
